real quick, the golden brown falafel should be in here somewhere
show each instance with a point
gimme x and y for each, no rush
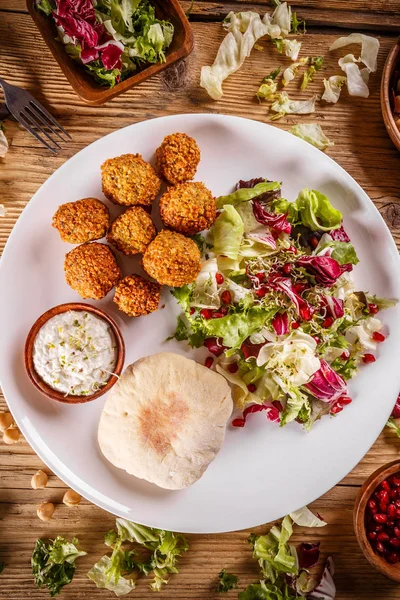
(188, 208)
(129, 180)
(177, 158)
(137, 296)
(82, 221)
(91, 270)
(172, 259)
(132, 231)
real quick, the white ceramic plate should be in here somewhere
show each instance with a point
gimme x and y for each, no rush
(262, 472)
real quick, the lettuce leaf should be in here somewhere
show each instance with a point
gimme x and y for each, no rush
(333, 87)
(99, 574)
(236, 327)
(343, 252)
(392, 424)
(53, 563)
(305, 518)
(273, 552)
(290, 72)
(313, 134)
(382, 303)
(3, 143)
(227, 232)
(312, 209)
(245, 194)
(356, 79)
(285, 106)
(369, 48)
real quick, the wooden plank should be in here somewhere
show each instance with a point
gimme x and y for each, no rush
(362, 148)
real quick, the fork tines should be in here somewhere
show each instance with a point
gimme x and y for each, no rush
(35, 118)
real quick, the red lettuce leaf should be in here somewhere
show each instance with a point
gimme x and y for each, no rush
(280, 323)
(308, 555)
(250, 350)
(339, 235)
(325, 269)
(111, 56)
(285, 285)
(278, 223)
(396, 409)
(326, 384)
(334, 306)
(264, 198)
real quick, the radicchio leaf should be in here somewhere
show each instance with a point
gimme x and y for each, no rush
(89, 54)
(280, 323)
(215, 345)
(308, 555)
(339, 235)
(344, 268)
(325, 269)
(111, 56)
(326, 384)
(264, 198)
(272, 414)
(396, 409)
(278, 223)
(250, 350)
(334, 306)
(78, 29)
(284, 284)
(326, 589)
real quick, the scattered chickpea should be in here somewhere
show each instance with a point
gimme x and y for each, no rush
(6, 421)
(45, 511)
(71, 498)
(11, 435)
(39, 480)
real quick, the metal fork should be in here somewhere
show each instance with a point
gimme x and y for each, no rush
(33, 116)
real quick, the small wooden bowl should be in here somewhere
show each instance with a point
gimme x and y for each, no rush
(391, 571)
(84, 85)
(41, 385)
(391, 65)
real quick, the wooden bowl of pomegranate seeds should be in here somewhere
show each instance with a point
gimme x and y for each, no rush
(377, 520)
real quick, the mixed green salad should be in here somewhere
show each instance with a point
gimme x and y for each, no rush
(111, 38)
(275, 303)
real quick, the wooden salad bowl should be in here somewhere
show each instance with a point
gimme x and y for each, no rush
(41, 385)
(84, 85)
(391, 65)
(392, 571)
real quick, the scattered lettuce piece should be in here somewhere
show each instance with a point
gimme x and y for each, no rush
(356, 79)
(305, 518)
(285, 106)
(227, 232)
(315, 65)
(297, 24)
(266, 591)
(290, 73)
(3, 143)
(267, 90)
(53, 563)
(333, 87)
(274, 74)
(392, 423)
(226, 581)
(369, 48)
(313, 134)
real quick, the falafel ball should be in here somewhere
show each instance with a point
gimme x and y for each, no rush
(91, 270)
(188, 208)
(172, 259)
(132, 231)
(177, 158)
(129, 180)
(82, 221)
(137, 296)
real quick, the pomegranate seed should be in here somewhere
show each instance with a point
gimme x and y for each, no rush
(397, 532)
(390, 524)
(209, 362)
(295, 325)
(233, 368)
(328, 322)
(368, 358)
(299, 288)
(395, 541)
(226, 297)
(219, 278)
(371, 535)
(287, 268)
(260, 276)
(391, 511)
(305, 313)
(336, 408)
(373, 309)
(224, 310)
(383, 507)
(378, 528)
(382, 537)
(313, 241)
(345, 355)
(383, 497)
(278, 405)
(206, 313)
(292, 249)
(378, 337)
(261, 292)
(317, 339)
(393, 557)
(395, 481)
(371, 504)
(380, 518)
(252, 387)
(385, 485)
(392, 494)
(397, 502)
(238, 422)
(380, 547)
(345, 400)
(192, 310)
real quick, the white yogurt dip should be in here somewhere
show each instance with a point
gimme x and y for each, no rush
(75, 353)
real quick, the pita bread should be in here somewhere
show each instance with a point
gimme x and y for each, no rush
(165, 419)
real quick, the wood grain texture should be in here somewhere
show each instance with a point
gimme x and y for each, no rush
(362, 147)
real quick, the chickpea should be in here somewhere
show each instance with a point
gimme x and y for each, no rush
(71, 498)
(39, 480)
(6, 421)
(45, 511)
(11, 435)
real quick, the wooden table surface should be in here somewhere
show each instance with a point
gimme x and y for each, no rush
(362, 147)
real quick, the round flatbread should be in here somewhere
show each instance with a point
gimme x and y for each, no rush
(165, 419)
